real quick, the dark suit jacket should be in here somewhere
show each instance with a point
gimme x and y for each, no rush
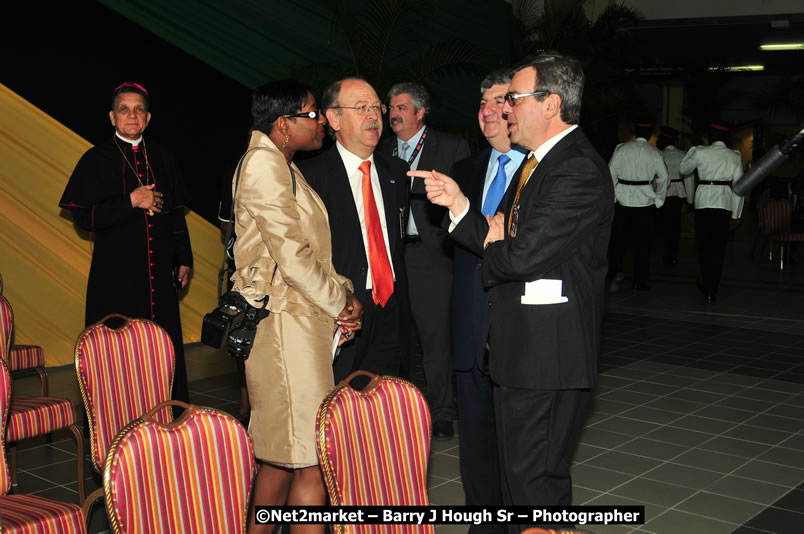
(469, 297)
(440, 152)
(327, 174)
(565, 215)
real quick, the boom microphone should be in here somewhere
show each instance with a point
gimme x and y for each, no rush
(767, 164)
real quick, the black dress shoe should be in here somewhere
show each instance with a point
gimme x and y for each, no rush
(443, 429)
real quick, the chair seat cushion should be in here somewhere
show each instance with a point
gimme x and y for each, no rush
(22, 357)
(34, 416)
(31, 514)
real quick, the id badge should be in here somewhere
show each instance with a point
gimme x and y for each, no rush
(403, 222)
(514, 221)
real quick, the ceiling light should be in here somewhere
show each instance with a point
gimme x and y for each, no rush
(739, 68)
(782, 46)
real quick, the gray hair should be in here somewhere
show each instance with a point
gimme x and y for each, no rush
(561, 75)
(419, 96)
(497, 77)
(329, 100)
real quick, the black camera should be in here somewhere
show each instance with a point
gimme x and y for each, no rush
(234, 320)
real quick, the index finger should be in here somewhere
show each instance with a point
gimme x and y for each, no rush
(420, 174)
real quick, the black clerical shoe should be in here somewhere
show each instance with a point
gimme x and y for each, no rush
(442, 430)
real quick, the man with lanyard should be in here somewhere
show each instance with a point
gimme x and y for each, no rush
(640, 184)
(428, 251)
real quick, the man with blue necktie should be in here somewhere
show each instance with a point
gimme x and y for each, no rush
(484, 178)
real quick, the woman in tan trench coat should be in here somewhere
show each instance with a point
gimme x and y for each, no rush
(283, 250)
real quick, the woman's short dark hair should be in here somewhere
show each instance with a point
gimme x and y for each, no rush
(273, 99)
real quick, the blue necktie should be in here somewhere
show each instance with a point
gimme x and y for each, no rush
(497, 187)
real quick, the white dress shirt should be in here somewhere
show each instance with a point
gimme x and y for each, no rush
(715, 163)
(638, 161)
(682, 189)
(352, 164)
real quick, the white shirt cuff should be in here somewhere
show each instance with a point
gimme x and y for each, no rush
(455, 219)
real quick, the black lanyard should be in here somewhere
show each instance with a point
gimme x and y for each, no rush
(415, 151)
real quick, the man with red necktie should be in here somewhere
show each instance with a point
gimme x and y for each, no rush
(366, 197)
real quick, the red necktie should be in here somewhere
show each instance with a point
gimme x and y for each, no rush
(382, 278)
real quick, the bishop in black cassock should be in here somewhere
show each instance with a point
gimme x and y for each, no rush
(138, 252)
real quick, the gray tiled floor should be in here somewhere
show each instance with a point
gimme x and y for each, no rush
(699, 415)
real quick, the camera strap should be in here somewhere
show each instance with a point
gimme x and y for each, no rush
(228, 239)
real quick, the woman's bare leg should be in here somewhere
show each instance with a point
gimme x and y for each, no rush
(270, 489)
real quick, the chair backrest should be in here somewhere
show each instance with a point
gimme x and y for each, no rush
(374, 445)
(6, 326)
(774, 215)
(123, 373)
(5, 404)
(191, 475)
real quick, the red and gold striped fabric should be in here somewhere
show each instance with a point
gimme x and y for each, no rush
(6, 325)
(5, 405)
(34, 416)
(374, 446)
(22, 357)
(29, 514)
(122, 373)
(194, 475)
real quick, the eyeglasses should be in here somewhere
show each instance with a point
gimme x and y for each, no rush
(362, 109)
(304, 114)
(511, 98)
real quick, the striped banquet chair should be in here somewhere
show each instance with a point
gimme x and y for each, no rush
(193, 475)
(20, 357)
(29, 514)
(373, 445)
(123, 373)
(37, 416)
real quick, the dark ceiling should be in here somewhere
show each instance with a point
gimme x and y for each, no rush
(694, 44)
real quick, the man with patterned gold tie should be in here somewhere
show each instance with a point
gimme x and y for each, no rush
(544, 265)
(366, 197)
(428, 250)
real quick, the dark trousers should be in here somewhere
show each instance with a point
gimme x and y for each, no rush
(712, 232)
(477, 436)
(670, 218)
(378, 347)
(632, 224)
(430, 290)
(536, 434)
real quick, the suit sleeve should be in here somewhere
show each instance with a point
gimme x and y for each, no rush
(266, 192)
(556, 221)
(471, 231)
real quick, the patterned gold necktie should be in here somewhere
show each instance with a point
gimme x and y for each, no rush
(527, 169)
